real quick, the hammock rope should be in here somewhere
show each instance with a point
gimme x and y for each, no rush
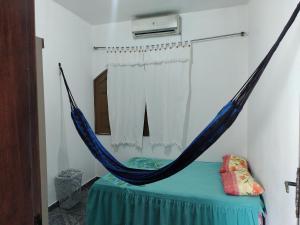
(214, 130)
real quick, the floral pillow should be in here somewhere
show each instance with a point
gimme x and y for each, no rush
(233, 163)
(240, 183)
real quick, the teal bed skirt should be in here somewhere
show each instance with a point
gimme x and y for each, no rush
(193, 196)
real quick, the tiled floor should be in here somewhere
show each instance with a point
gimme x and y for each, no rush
(74, 216)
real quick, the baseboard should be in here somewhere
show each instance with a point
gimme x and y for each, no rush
(53, 206)
(87, 185)
(90, 183)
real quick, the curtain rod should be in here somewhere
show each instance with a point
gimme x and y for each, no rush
(240, 34)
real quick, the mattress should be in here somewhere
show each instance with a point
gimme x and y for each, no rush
(194, 196)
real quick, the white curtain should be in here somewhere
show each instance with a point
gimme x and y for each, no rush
(126, 97)
(167, 91)
(157, 80)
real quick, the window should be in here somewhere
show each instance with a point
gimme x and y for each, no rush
(101, 107)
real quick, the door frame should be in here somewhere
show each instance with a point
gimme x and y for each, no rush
(39, 46)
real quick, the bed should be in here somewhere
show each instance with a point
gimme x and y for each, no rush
(193, 196)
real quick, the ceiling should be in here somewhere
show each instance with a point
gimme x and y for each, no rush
(106, 11)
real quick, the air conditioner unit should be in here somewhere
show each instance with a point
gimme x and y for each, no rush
(156, 26)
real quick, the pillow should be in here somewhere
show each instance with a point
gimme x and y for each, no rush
(240, 183)
(233, 163)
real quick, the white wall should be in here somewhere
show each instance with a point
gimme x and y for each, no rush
(67, 40)
(273, 115)
(219, 69)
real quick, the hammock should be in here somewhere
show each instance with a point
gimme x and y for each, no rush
(215, 129)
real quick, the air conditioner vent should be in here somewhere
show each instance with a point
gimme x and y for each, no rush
(156, 26)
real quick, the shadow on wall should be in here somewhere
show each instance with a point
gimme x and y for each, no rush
(63, 157)
(288, 51)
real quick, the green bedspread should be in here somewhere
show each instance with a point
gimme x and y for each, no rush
(193, 196)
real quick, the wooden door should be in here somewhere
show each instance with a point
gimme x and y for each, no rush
(19, 170)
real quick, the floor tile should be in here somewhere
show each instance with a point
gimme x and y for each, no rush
(74, 216)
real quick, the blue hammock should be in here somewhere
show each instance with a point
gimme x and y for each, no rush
(200, 144)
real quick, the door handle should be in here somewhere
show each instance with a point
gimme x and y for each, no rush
(289, 184)
(296, 184)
